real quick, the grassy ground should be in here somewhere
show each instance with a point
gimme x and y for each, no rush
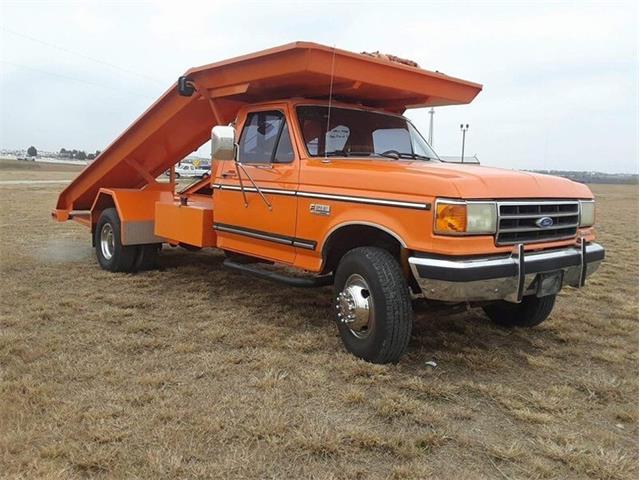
(195, 371)
(24, 170)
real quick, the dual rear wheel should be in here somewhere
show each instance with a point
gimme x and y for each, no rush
(113, 255)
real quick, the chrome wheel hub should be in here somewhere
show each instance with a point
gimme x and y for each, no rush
(355, 306)
(107, 241)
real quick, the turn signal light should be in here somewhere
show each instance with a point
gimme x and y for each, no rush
(451, 218)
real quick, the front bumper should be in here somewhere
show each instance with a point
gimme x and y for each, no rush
(503, 277)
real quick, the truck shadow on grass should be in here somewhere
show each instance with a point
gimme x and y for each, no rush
(465, 339)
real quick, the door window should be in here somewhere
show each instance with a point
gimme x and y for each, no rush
(265, 139)
(284, 150)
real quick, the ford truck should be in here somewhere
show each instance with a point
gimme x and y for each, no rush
(315, 168)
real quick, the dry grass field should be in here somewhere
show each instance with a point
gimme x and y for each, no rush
(194, 371)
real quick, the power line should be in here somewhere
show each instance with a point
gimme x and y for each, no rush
(75, 79)
(86, 57)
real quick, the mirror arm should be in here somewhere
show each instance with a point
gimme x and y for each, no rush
(244, 194)
(264, 199)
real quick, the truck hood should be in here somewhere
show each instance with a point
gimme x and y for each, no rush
(439, 179)
(475, 181)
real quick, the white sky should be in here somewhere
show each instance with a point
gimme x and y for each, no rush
(560, 78)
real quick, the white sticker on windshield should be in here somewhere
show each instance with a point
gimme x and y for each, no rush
(336, 138)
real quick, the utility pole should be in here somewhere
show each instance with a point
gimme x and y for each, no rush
(431, 112)
(464, 129)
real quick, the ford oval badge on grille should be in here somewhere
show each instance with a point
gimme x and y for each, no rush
(544, 222)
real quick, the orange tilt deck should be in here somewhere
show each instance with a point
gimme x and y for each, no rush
(176, 125)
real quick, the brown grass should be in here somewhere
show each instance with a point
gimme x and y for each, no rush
(195, 371)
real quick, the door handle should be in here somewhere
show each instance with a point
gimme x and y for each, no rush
(229, 173)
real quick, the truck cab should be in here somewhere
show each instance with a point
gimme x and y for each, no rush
(346, 190)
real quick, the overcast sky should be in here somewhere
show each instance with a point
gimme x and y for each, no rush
(560, 78)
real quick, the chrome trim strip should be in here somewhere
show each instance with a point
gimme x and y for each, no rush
(375, 201)
(301, 244)
(594, 247)
(522, 261)
(538, 202)
(582, 246)
(260, 236)
(254, 190)
(461, 264)
(529, 229)
(280, 239)
(538, 240)
(537, 215)
(330, 196)
(489, 262)
(554, 254)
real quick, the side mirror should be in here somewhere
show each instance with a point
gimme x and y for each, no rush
(223, 145)
(185, 88)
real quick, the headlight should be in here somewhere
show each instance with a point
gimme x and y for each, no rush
(587, 213)
(454, 217)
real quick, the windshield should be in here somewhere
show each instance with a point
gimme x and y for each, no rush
(360, 133)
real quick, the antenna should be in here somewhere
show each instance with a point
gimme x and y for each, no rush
(326, 132)
(431, 113)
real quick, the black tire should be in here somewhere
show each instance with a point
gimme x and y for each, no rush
(147, 257)
(177, 175)
(388, 335)
(123, 257)
(530, 312)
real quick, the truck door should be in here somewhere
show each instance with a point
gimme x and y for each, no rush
(261, 227)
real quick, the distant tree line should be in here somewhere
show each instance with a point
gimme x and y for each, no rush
(593, 177)
(77, 154)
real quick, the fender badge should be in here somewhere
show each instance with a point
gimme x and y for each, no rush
(319, 209)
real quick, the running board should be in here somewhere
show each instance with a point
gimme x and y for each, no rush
(251, 269)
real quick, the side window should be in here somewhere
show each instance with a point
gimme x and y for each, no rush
(284, 151)
(265, 138)
(259, 136)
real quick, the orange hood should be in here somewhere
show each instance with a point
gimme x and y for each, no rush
(438, 179)
(475, 181)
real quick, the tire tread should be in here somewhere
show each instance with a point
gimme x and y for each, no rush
(397, 300)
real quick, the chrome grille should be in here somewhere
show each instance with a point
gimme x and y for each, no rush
(517, 221)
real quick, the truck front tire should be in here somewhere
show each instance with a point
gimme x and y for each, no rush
(530, 312)
(112, 255)
(372, 305)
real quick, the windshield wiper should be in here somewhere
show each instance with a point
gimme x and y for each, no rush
(398, 155)
(344, 153)
(415, 156)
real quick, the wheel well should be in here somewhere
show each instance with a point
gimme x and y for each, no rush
(352, 236)
(103, 202)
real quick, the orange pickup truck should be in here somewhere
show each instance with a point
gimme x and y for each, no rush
(315, 168)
